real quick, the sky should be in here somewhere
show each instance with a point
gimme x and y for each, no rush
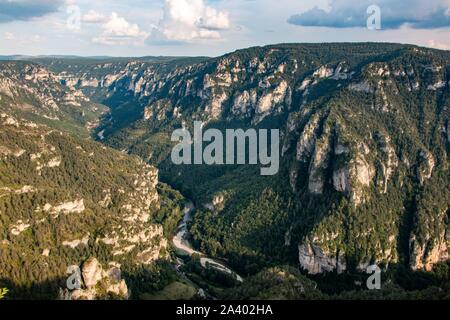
(212, 27)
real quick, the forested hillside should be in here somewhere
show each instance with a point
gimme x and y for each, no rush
(364, 171)
(365, 135)
(64, 198)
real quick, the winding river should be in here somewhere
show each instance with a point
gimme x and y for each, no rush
(183, 246)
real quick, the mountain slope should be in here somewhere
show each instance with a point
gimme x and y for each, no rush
(33, 92)
(363, 177)
(364, 174)
(65, 198)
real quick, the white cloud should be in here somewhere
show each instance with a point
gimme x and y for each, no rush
(186, 20)
(94, 17)
(213, 19)
(9, 36)
(118, 31)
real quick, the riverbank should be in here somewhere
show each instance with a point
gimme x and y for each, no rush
(183, 247)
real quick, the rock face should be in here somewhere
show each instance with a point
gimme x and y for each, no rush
(76, 206)
(323, 72)
(307, 139)
(319, 164)
(426, 166)
(341, 180)
(388, 162)
(19, 227)
(362, 174)
(429, 247)
(92, 272)
(243, 102)
(75, 243)
(425, 256)
(98, 283)
(313, 259)
(361, 87)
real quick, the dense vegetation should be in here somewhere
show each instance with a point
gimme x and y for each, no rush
(364, 173)
(60, 195)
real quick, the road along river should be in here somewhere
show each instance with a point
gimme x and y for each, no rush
(183, 246)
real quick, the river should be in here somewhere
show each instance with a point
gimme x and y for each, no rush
(181, 243)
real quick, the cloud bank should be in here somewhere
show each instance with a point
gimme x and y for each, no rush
(12, 10)
(419, 14)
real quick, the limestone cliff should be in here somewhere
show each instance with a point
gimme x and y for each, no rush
(97, 283)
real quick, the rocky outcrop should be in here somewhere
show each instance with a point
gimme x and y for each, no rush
(362, 173)
(97, 283)
(315, 260)
(388, 162)
(92, 272)
(436, 86)
(361, 87)
(214, 108)
(305, 144)
(426, 166)
(19, 227)
(426, 255)
(323, 72)
(341, 180)
(244, 102)
(352, 174)
(216, 202)
(270, 100)
(76, 206)
(319, 164)
(75, 243)
(127, 239)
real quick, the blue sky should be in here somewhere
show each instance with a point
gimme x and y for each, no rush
(210, 27)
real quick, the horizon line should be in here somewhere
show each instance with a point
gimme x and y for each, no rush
(99, 57)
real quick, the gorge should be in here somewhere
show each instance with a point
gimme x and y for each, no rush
(363, 177)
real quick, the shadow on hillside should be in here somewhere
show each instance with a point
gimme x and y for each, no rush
(46, 290)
